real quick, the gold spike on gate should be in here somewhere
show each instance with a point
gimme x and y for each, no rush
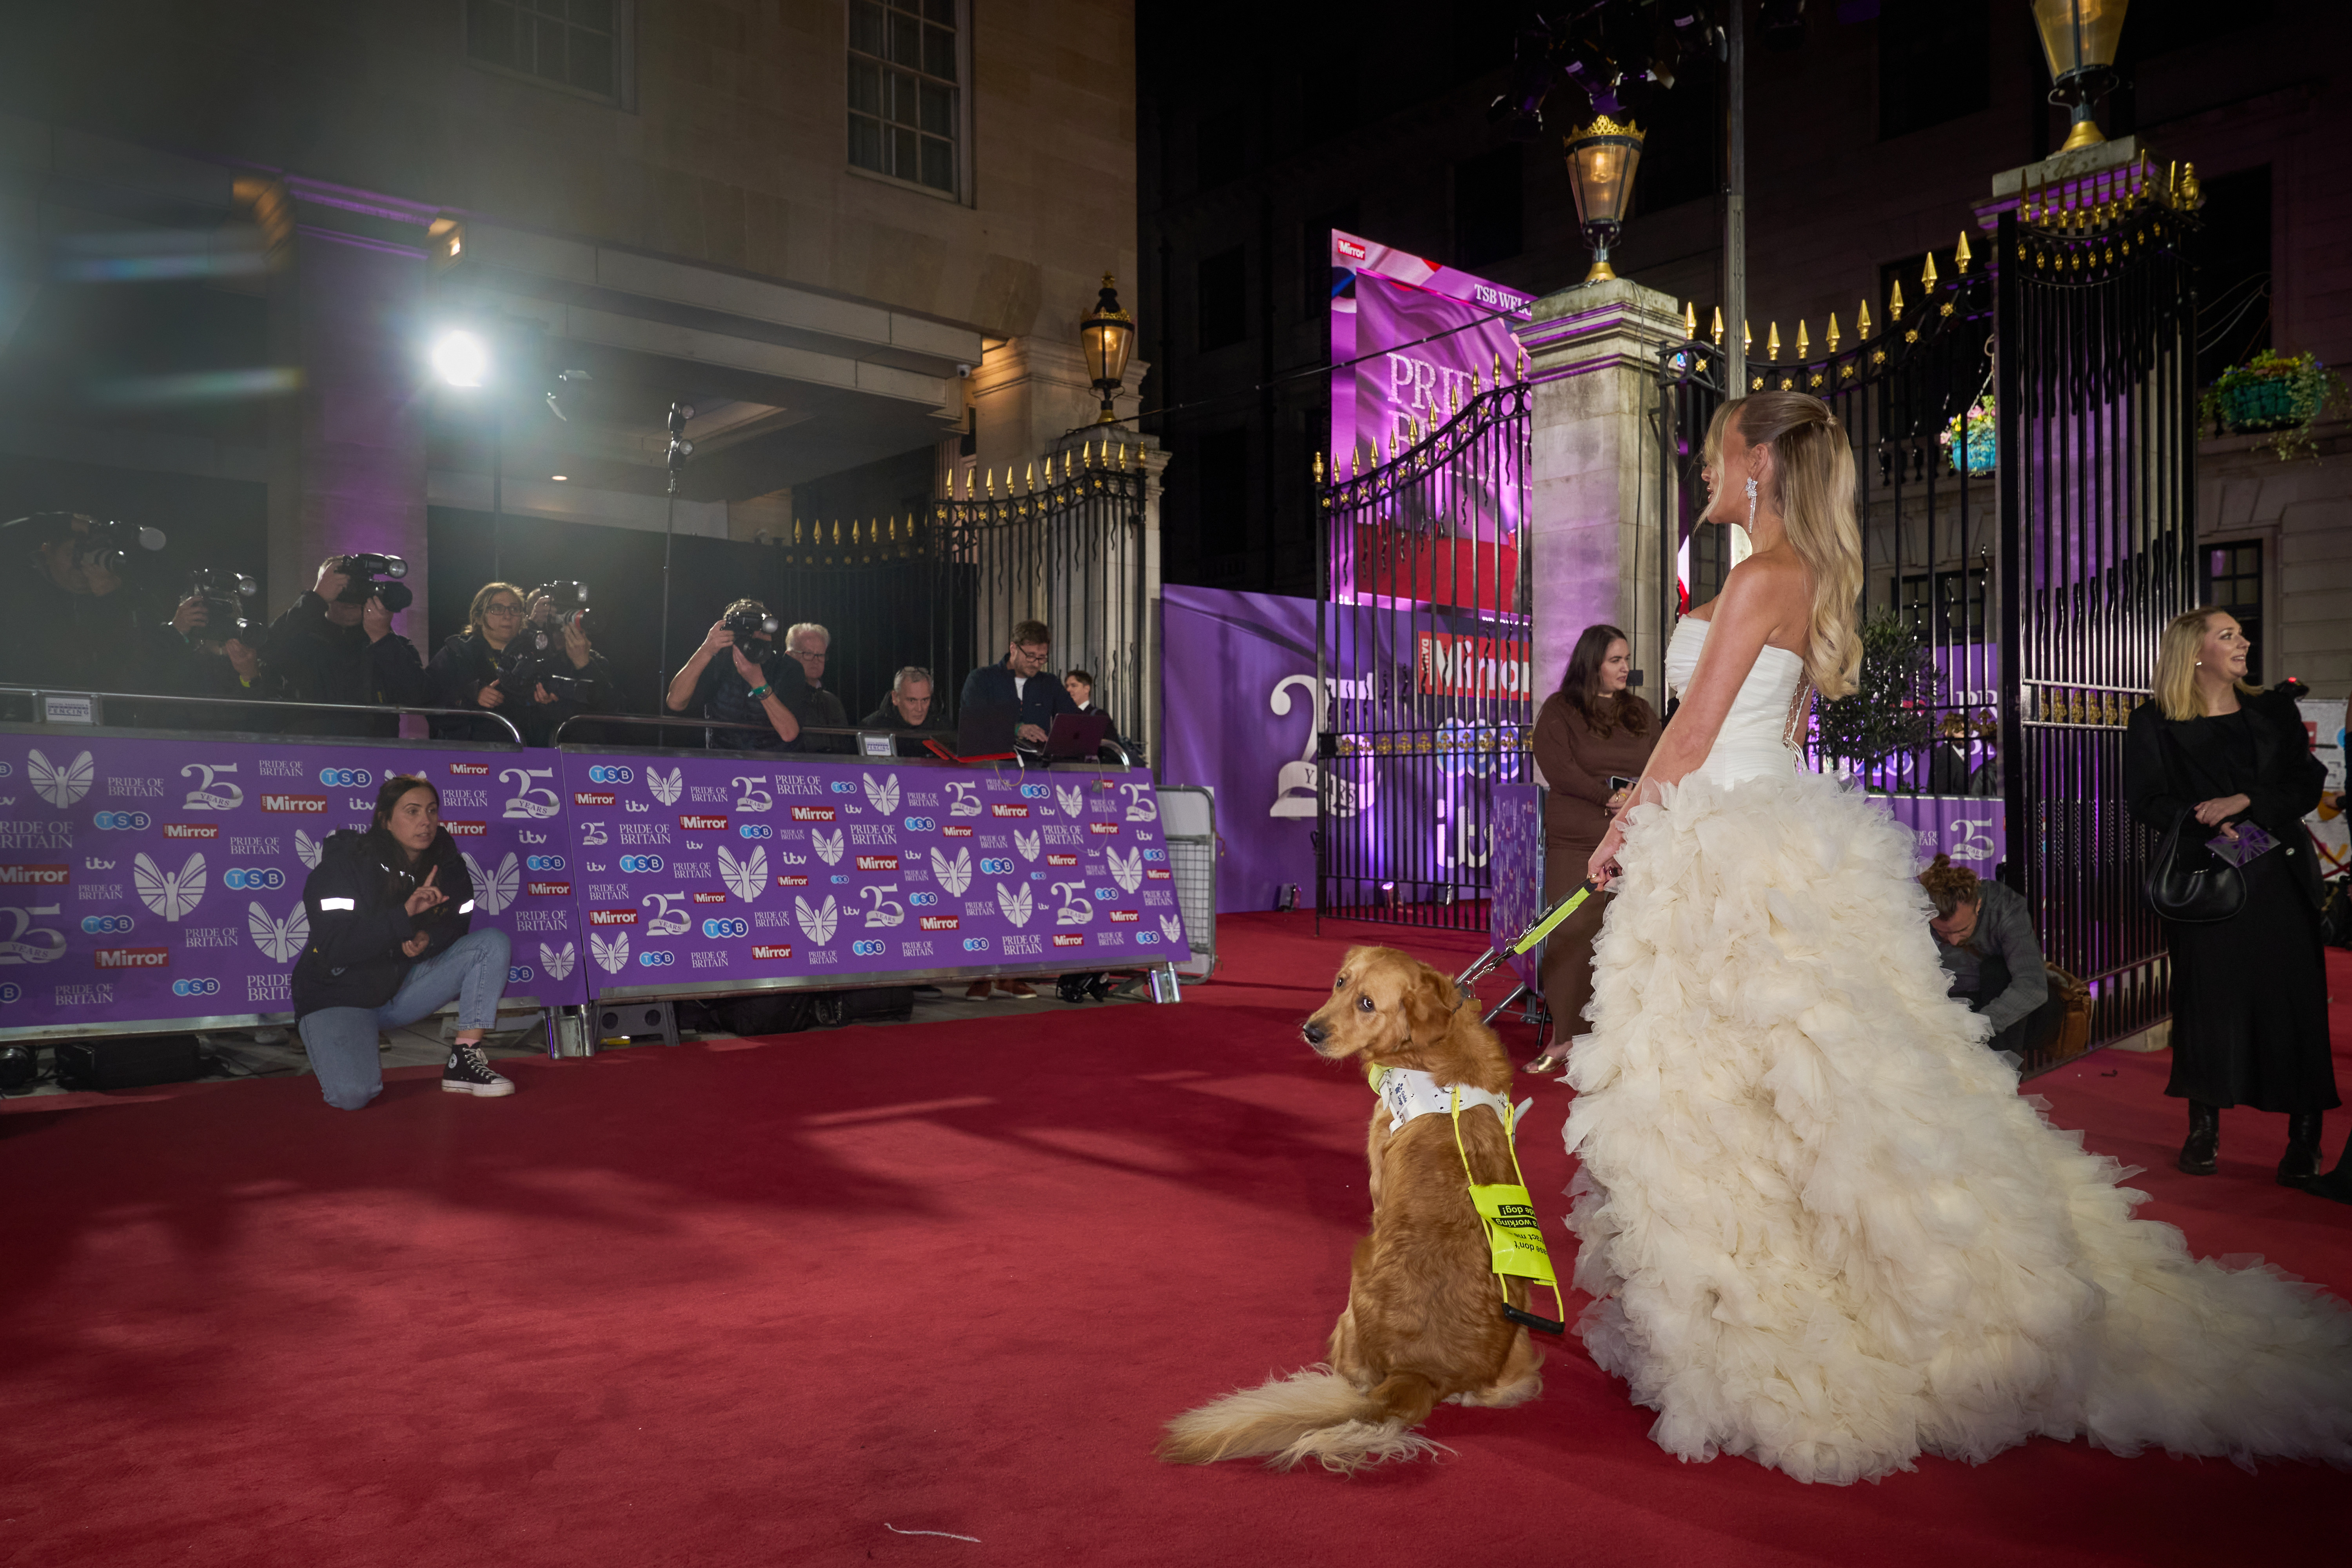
(1772, 345)
(1319, 468)
(1391, 446)
(1747, 337)
(1715, 332)
(1499, 367)
(1804, 345)
(1895, 303)
(1961, 254)
(1030, 483)
(1523, 364)
(1690, 321)
(1831, 337)
(1862, 321)
(796, 532)
(836, 533)
(1928, 273)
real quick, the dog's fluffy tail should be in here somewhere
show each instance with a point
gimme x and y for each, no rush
(1314, 1414)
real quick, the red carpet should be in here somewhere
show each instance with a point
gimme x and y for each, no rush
(750, 1303)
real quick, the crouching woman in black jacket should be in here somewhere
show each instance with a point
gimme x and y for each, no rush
(390, 911)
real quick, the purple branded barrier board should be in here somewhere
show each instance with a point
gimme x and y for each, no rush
(146, 880)
(1517, 896)
(1969, 828)
(717, 872)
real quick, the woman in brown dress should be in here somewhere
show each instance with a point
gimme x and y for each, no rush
(1593, 737)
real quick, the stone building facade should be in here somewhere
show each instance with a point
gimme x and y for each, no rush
(856, 236)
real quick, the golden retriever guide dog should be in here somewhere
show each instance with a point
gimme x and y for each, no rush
(1425, 1318)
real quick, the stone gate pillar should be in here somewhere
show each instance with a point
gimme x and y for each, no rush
(1595, 474)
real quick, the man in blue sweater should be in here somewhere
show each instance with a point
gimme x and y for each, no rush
(1021, 680)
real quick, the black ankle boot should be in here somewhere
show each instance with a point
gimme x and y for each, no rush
(2202, 1154)
(2302, 1162)
(2338, 1182)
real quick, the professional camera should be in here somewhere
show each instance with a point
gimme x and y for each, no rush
(363, 571)
(97, 539)
(746, 624)
(563, 603)
(223, 595)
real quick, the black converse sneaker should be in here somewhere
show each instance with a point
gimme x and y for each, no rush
(468, 1072)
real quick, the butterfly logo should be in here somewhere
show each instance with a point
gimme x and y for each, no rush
(828, 849)
(60, 787)
(1026, 843)
(611, 956)
(170, 894)
(883, 796)
(954, 875)
(743, 878)
(817, 924)
(495, 891)
(279, 940)
(1171, 928)
(309, 848)
(666, 790)
(1074, 801)
(1017, 906)
(1128, 871)
(558, 964)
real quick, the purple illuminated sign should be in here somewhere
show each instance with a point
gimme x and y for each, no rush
(1423, 331)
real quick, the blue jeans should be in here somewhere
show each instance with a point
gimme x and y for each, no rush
(341, 1040)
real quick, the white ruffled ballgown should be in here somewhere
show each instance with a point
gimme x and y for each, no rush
(1821, 1226)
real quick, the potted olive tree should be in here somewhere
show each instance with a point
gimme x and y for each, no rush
(1891, 714)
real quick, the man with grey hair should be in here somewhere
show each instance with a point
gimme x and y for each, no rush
(807, 643)
(908, 706)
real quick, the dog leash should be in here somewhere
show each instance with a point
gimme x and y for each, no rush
(1545, 925)
(1514, 1235)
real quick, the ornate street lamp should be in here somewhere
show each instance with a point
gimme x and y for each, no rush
(2078, 39)
(1601, 159)
(1108, 336)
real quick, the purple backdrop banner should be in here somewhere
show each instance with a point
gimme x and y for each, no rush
(1384, 302)
(714, 871)
(145, 880)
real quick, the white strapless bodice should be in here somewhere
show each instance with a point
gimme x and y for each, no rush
(1751, 744)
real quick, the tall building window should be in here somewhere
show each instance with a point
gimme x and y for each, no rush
(2233, 581)
(905, 107)
(581, 45)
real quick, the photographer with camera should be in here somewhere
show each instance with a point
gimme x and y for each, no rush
(335, 644)
(224, 656)
(525, 656)
(74, 621)
(739, 677)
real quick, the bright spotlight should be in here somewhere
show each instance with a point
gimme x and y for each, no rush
(460, 358)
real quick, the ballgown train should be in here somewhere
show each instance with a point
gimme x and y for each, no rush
(1821, 1226)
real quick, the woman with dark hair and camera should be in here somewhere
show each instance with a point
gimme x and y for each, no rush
(1593, 737)
(391, 913)
(2228, 765)
(515, 647)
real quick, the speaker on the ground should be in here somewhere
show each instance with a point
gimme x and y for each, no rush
(137, 1061)
(19, 1067)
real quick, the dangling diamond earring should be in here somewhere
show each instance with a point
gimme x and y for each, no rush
(1751, 506)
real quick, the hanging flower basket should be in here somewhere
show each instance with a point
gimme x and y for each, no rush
(2270, 393)
(1968, 440)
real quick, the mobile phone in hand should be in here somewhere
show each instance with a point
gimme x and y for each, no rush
(1616, 784)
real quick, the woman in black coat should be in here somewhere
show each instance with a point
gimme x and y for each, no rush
(2249, 993)
(498, 663)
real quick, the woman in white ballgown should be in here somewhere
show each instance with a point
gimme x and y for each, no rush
(1821, 1226)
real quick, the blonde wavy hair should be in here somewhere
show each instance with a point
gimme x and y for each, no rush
(1812, 488)
(2175, 665)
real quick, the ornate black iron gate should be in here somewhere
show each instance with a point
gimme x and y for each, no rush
(1422, 662)
(942, 588)
(2098, 434)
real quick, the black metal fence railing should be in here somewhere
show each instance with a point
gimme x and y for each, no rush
(1423, 675)
(2098, 445)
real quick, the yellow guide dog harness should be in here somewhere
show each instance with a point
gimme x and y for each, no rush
(1514, 1235)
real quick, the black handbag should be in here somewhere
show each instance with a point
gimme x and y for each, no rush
(2201, 896)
